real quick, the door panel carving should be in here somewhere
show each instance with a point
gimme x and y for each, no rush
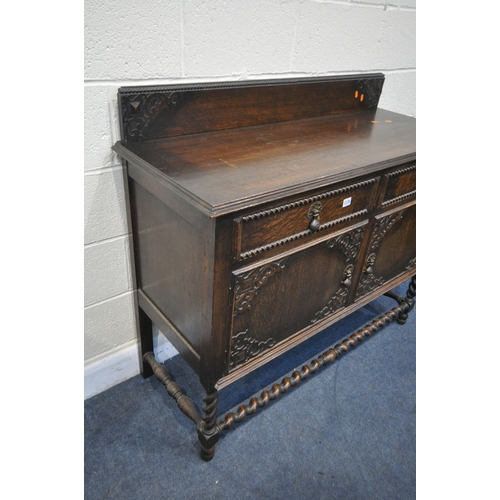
(265, 299)
(391, 251)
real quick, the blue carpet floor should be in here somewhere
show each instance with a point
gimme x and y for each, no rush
(347, 432)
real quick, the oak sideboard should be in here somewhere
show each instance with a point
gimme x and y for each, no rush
(262, 212)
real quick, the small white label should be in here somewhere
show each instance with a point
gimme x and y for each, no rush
(347, 202)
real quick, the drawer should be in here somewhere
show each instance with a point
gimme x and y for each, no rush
(283, 224)
(401, 184)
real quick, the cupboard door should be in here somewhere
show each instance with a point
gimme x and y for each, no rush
(272, 301)
(391, 251)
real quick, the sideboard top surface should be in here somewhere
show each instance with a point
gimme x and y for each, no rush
(230, 169)
(226, 146)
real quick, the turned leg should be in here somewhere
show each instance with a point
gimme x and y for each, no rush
(146, 342)
(208, 431)
(408, 299)
(206, 425)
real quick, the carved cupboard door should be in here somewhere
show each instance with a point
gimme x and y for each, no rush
(391, 251)
(273, 300)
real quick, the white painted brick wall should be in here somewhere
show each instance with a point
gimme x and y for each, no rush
(159, 41)
(238, 38)
(353, 37)
(105, 208)
(132, 40)
(107, 270)
(97, 129)
(399, 93)
(108, 324)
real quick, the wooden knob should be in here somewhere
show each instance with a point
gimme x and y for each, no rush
(370, 262)
(314, 225)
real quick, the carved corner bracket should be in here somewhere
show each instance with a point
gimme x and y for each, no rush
(244, 347)
(247, 285)
(349, 243)
(139, 111)
(371, 90)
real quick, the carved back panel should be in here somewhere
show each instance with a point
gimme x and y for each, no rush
(155, 112)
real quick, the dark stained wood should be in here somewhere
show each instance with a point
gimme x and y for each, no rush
(408, 300)
(392, 248)
(166, 273)
(174, 390)
(265, 301)
(145, 327)
(401, 184)
(172, 110)
(315, 329)
(218, 304)
(169, 330)
(255, 163)
(209, 432)
(279, 225)
(261, 214)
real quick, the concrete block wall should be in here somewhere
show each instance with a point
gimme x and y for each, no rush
(168, 41)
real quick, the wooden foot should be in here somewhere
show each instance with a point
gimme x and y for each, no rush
(208, 431)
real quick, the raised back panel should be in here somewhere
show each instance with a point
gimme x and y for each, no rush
(156, 112)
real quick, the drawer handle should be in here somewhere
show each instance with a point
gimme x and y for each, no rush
(347, 278)
(370, 262)
(313, 215)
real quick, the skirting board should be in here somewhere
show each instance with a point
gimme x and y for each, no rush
(122, 364)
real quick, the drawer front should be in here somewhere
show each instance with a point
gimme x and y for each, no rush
(284, 296)
(401, 184)
(280, 225)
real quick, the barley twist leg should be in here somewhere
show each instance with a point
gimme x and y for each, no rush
(409, 300)
(208, 432)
